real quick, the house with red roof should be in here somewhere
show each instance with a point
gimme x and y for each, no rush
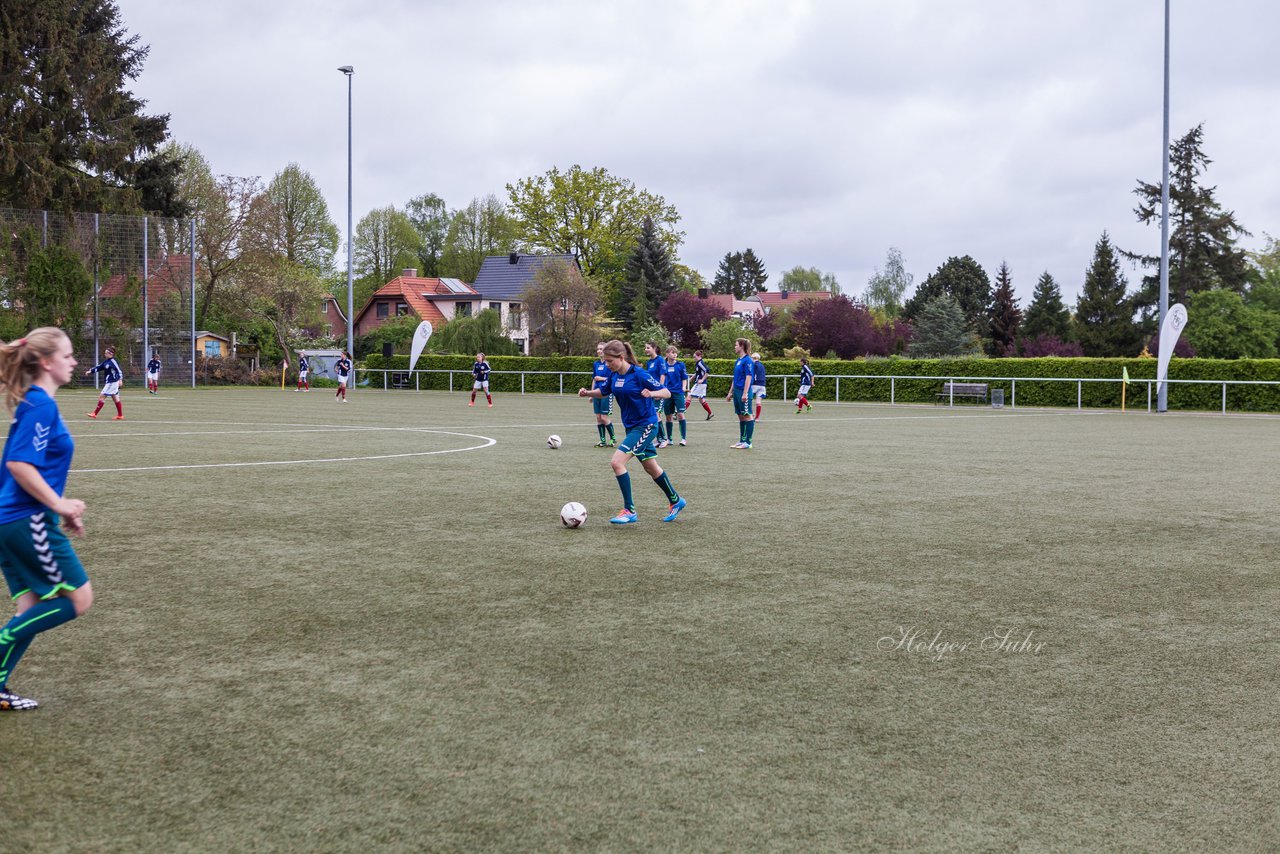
(773, 300)
(168, 277)
(740, 308)
(334, 319)
(431, 299)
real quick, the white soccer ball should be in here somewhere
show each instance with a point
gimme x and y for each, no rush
(573, 515)
(553, 442)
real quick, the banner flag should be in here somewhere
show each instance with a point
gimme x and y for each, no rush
(1125, 375)
(420, 336)
(1174, 321)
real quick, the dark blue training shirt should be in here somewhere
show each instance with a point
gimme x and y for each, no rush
(110, 370)
(39, 437)
(636, 409)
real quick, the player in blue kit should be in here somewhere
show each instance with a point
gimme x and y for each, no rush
(635, 390)
(48, 584)
(111, 376)
(342, 368)
(153, 375)
(480, 376)
(656, 367)
(603, 406)
(304, 371)
(677, 383)
(698, 390)
(806, 383)
(757, 383)
(743, 376)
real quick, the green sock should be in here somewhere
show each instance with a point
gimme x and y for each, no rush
(682, 429)
(18, 632)
(624, 483)
(609, 427)
(600, 430)
(664, 483)
(751, 431)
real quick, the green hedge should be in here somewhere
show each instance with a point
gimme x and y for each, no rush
(1094, 395)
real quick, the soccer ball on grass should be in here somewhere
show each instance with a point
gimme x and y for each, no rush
(573, 515)
(553, 441)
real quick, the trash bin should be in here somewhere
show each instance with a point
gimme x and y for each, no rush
(997, 398)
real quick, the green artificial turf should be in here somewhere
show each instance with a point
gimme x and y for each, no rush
(398, 646)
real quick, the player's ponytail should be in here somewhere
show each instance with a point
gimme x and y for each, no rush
(616, 349)
(20, 361)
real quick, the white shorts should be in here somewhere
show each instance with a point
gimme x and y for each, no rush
(302, 375)
(110, 388)
(342, 382)
(804, 390)
(698, 390)
(153, 377)
(481, 385)
(758, 391)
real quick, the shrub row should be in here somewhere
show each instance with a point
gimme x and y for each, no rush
(876, 386)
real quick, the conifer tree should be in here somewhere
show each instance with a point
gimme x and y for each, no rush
(649, 278)
(1203, 254)
(941, 329)
(962, 278)
(1047, 314)
(741, 274)
(1104, 314)
(1005, 317)
(72, 135)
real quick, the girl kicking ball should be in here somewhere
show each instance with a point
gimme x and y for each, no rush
(635, 390)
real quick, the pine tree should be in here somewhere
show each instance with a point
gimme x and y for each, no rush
(962, 278)
(1104, 314)
(1047, 314)
(1005, 317)
(728, 278)
(649, 278)
(754, 276)
(1202, 236)
(941, 329)
(72, 135)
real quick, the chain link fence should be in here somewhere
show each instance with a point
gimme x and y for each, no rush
(108, 280)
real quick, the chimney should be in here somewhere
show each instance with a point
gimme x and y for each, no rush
(513, 258)
(409, 272)
(703, 293)
(784, 293)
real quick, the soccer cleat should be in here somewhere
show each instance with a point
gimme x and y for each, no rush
(674, 510)
(92, 414)
(472, 403)
(118, 418)
(710, 415)
(611, 443)
(745, 446)
(344, 400)
(737, 444)
(11, 702)
(602, 444)
(624, 517)
(491, 406)
(683, 443)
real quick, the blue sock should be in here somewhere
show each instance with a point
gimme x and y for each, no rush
(664, 483)
(624, 483)
(600, 430)
(751, 431)
(18, 632)
(742, 430)
(682, 428)
(609, 427)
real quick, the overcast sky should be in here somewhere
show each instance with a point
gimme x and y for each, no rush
(817, 133)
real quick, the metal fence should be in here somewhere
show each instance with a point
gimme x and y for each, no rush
(143, 293)
(389, 380)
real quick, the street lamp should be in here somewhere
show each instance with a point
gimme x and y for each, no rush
(349, 71)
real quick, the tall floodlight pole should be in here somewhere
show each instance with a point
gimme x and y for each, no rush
(349, 71)
(1162, 396)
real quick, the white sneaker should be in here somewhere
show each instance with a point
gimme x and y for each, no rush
(683, 443)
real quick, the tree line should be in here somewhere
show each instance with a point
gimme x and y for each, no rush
(72, 138)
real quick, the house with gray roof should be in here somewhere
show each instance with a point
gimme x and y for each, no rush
(502, 282)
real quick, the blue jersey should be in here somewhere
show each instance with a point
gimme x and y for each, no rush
(600, 375)
(39, 437)
(342, 367)
(303, 364)
(626, 388)
(700, 372)
(657, 368)
(806, 375)
(677, 374)
(743, 372)
(153, 367)
(110, 370)
(481, 371)
(758, 373)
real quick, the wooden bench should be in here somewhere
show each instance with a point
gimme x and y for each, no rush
(952, 390)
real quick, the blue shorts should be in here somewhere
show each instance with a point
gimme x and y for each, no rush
(603, 406)
(639, 442)
(673, 404)
(38, 558)
(740, 407)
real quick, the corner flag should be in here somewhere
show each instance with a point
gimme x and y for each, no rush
(1125, 375)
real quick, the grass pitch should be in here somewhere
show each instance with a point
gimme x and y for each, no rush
(336, 627)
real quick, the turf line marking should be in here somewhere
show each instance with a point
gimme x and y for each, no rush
(488, 442)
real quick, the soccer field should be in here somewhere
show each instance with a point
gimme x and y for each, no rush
(341, 627)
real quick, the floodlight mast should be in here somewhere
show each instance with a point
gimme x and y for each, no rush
(349, 71)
